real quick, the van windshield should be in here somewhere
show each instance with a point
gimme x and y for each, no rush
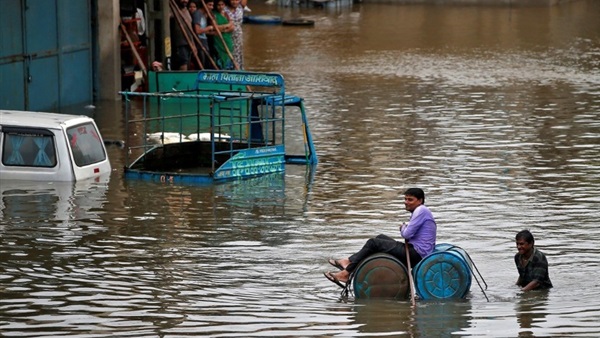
(86, 145)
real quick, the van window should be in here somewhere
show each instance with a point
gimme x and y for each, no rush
(86, 145)
(28, 147)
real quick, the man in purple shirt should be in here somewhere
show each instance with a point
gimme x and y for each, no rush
(419, 234)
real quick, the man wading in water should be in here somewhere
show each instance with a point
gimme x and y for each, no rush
(531, 264)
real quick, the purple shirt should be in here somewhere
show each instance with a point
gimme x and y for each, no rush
(420, 230)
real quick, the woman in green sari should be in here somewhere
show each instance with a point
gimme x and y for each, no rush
(223, 47)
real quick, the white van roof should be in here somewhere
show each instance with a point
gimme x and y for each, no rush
(39, 119)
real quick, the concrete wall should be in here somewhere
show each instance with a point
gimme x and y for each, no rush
(109, 50)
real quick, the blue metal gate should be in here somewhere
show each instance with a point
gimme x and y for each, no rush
(45, 54)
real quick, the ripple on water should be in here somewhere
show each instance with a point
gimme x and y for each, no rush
(502, 138)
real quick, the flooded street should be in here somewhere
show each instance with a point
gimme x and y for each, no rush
(493, 111)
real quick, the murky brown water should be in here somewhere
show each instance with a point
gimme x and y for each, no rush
(495, 112)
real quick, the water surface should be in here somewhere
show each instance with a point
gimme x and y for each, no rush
(493, 111)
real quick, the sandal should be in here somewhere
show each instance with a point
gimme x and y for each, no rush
(335, 263)
(329, 275)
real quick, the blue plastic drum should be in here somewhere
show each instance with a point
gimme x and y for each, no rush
(381, 276)
(443, 274)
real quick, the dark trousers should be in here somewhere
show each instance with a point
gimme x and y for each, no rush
(384, 244)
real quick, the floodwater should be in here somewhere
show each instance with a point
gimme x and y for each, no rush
(493, 111)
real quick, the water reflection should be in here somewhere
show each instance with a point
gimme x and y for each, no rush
(45, 231)
(531, 310)
(52, 201)
(270, 194)
(427, 319)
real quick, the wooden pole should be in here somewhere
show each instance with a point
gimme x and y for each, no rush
(410, 276)
(166, 32)
(206, 52)
(135, 52)
(212, 18)
(197, 40)
(182, 24)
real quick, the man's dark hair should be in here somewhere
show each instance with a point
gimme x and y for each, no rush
(416, 192)
(526, 236)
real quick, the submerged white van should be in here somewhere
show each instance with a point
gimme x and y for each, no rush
(38, 146)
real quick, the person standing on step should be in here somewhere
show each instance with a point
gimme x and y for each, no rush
(201, 28)
(235, 11)
(222, 43)
(419, 234)
(532, 264)
(183, 50)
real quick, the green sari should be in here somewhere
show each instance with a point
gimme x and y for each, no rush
(222, 57)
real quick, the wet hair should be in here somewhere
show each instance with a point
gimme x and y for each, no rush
(416, 192)
(526, 236)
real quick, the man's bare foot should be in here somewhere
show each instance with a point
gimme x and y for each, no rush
(342, 276)
(344, 262)
(335, 278)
